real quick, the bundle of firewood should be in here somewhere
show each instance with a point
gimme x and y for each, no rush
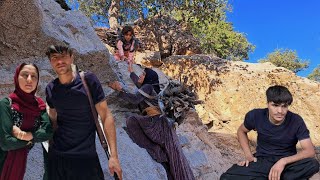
(108, 36)
(178, 99)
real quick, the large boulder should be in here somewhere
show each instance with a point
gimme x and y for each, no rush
(28, 27)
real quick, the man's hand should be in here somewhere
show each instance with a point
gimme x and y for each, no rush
(247, 161)
(276, 170)
(53, 118)
(110, 132)
(114, 167)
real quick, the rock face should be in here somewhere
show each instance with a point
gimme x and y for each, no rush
(27, 28)
(135, 160)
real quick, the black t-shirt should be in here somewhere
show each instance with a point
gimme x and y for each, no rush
(76, 127)
(276, 140)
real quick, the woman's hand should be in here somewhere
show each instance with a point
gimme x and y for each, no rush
(22, 135)
(15, 131)
(115, 85)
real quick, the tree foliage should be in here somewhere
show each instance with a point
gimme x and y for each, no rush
(286, 58)
(221, 39)
(99, 10)
(315, 75)
(205, 18)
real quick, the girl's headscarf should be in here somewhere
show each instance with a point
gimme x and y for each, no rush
(30, 106)
(152, 78)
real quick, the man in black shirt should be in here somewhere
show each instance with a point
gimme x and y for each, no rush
(73, 152)
(278, 131)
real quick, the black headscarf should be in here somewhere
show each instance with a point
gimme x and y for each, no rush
(152, 78)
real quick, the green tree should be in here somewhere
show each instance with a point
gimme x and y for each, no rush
(315, 75)
(205, 18)
(286, 58)
(207, 21)
(221, 39)
(112, 12)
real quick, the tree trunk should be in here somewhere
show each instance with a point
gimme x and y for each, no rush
(113, 12)
(141, 14)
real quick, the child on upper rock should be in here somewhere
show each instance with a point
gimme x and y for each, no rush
(126, 45)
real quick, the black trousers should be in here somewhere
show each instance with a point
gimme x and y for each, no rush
(259, 170)
(74, 168)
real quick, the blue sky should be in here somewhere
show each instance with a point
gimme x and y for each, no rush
(271, 24)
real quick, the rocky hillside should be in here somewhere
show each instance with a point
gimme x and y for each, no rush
(229, 89)
(27, 28)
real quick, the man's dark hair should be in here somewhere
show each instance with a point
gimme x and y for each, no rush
(279, 95)
(58, 49)
(127, 29)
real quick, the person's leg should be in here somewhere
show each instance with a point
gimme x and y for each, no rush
(256, 170)
(166, 166)
(55, 167)
(143, 131)
(45, 163)
(74, 168)
(179, 165)
(225, 176)
(79, 168)
(302, 169)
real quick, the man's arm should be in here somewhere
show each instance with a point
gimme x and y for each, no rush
(244, 143)
(53, 118)
(110, 132)
(306, 152)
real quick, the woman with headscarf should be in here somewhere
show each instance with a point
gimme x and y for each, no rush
(151, 130)
(23, 122)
